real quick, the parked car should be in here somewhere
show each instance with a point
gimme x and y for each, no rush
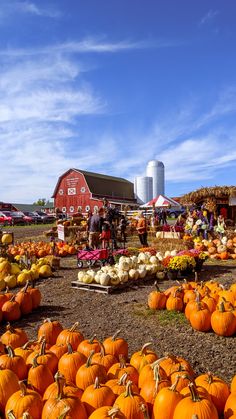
(5, 220)
(17, 217)
(46, 218)
(36, 219)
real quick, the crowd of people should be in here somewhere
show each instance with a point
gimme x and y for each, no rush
(202, 223)
(104, 226)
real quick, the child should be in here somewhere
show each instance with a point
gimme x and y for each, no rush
(105, 235)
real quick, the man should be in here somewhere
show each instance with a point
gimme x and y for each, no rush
(94, 229)
(142, 230)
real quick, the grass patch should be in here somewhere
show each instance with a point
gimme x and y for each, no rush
(163, 316)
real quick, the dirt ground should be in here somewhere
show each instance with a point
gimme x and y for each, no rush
(127, 311)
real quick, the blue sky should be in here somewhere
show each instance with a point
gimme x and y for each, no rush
(107, 85)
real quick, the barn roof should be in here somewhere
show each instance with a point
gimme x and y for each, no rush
(103, 185)
(212, 191)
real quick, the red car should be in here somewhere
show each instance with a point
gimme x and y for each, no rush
(5, 220)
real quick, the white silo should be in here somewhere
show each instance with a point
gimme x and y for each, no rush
(156, 170)
(143, 188)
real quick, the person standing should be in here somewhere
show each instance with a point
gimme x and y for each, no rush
(94, 230)
(142, 229)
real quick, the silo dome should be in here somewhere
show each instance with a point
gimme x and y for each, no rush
(156, 170)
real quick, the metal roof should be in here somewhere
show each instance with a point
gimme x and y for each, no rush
(104, 185)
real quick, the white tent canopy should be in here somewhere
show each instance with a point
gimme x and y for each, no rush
(161, 201)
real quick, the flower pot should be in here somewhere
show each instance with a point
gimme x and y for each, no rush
(172, 275)
(199, 264)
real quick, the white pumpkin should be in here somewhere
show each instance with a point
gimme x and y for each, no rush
(142, 271)
(104, 278)
(123, 276)
(115, 280)
(80, 276)
(167, 253)
(173, 253)
(97, 276)
(153, 260)
(143, 257)
(124, 265)
(91, 273)
(133, 274)
(87, 279)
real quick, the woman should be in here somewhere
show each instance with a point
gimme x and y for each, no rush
(142, 230)
(221, 226)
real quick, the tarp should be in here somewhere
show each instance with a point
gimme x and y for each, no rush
(161, 201)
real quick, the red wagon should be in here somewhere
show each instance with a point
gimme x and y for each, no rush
(90, 257)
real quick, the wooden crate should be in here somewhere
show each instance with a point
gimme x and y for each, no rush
(104, 289)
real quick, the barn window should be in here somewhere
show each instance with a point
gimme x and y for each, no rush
(71, 191)
(71, 209)
(87, 208)
(61, 191)
(63, 209)
(95, 208)
(83, 189)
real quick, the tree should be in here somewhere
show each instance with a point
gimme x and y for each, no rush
(41, 202)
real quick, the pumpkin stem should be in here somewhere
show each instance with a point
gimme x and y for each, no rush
(210, 378)
(122, 361)
(144, 410)
(23, 388)
(27, 344)
(122, 380)
(10, 351)
(10, 328)
(91, 340)
(10, 414)
(89, 360)
(96, 383)
(222, 307)
(73, 328)
(194, 393)
(60, 380)
(144, 348)
(43, 347)
(174, 385)
(128, 390)
(70, 349)
(35, 362)
(102, 349)
(113, 412)
(115, 335)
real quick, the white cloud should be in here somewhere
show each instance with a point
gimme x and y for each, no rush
(209, 16)
(10, 8)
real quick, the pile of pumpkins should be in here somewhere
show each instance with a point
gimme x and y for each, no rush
(13, 275)
(41, 249)
(14, 306)
(126, 269)
(64, 375)
(207, 306)
(222, 249)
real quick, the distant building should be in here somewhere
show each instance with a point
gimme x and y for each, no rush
(81, 191)
(153, 184)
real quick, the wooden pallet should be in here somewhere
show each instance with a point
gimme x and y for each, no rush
(104, 289)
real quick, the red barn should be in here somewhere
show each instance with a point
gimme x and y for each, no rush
(82, 191)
